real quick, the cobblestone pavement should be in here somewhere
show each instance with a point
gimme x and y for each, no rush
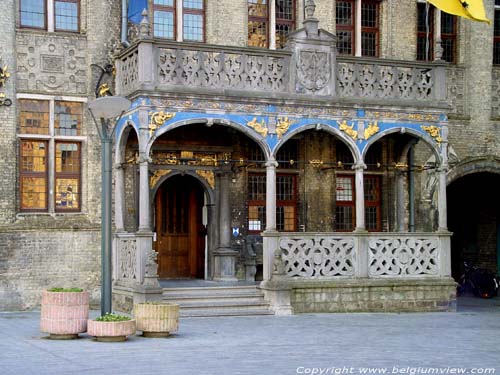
(418, 343)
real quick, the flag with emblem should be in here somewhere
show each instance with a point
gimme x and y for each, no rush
(471, 9)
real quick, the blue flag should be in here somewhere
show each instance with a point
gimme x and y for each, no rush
(135, 8)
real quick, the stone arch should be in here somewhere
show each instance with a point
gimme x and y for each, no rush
(121, 140)
(206, 186)
(209, 122)
(427, 139)
(489, 164)
(351, 144)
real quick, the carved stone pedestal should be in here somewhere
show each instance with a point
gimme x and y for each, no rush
(225, 264)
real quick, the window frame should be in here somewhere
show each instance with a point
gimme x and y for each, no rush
(78, 12)
(165, 8)
(45, 17)
(32, 174)
(351, 28)
(51, 139)
(261, 19)
(371, 29)
(292, 23)
(496, 38)
(49, 17)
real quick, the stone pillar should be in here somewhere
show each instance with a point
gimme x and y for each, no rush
(271, 195)
(119, 197)
(438, 52)
(272, 24)
(225, 257)
(144, 206)
(400, 205)
(442, 170)
(360, 197)
(357, 29)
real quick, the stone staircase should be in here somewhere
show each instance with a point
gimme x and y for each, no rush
(204, 301)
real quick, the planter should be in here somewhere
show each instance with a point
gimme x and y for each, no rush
(157, 319)
(64, 314)
(111, 331)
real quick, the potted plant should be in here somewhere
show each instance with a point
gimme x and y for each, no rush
(111, 327)
(156, 319)
(64, 312)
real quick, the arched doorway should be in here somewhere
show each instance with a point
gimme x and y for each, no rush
(180, 229)
(473, 217)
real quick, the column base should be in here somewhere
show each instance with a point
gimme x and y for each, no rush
(225, 264)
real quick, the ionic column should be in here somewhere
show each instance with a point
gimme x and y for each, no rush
(119, 197)
(360, 197)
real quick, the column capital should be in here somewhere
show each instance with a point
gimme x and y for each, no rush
(271, 164)
(359, 166)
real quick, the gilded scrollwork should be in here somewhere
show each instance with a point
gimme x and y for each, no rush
(208, 176)
(259, 127)
(434, 132)
(4, 75)
(157, 175)
(283, 125)
(349, 130)
(158, 119)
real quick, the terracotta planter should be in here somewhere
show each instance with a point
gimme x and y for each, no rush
(157, 319)
(64, 314)
(111, 331)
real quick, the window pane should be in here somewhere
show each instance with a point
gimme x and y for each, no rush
(257, 34)
(33, 193)
(67, 158)
(288, 155)
(33, 13)
(256, 188)
(344, 218)
(33, 156)
(285, 188)
(164, 24)
(257, 8)
(344, 42)
(256, 218)
(448, 50)
(66, 14)
(344, 13)
(193, 27)
(282, 31)
(34, 116)
(369, 16)
(371, 218)
(371, 188)
(285, 218)
(344, 189)
(284, 9)
(193, 4)
(169, 3)
(496, 52)
(67, 193)
(68, 118)
(369, 44)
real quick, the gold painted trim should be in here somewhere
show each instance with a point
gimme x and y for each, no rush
(208, 176)
(371, 130)
(158, 119)
(349, 130)
(259, 127)
(157, 175)
(283, 125)
(434, 132)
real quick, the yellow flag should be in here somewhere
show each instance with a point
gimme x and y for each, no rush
(471, 9)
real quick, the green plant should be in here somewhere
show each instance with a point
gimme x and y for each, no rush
(112, 318)
(71, 290)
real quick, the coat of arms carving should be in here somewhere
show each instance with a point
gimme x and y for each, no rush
(313, 69)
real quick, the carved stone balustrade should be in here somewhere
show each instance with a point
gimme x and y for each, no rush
(371, 255)
(303, 72)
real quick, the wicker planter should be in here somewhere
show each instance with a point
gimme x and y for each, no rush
(157, 319)
(111, 331)
(64, 314)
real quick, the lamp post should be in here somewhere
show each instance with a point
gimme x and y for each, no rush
(105, 109)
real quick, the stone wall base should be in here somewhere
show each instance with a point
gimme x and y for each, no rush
(373, 295)
(124, 297)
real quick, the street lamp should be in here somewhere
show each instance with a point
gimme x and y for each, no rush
(106, 109)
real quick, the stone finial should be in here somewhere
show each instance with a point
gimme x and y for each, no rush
(310, 7)
(144, 26)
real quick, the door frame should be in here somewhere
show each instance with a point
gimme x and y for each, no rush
(209, 201)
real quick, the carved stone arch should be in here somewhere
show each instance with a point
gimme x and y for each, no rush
(427, 139)
(206, 186)
(121, 140)
(488, 164)
(209, 122)
(351, 145)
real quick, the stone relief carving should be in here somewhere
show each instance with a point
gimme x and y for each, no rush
(318, 257)
(129, 72)
(455, 79)
(403, 256)
(127, 259)
(51, 63)
(313, 69)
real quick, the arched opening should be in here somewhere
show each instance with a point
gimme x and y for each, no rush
(180, 226)
(473, 217)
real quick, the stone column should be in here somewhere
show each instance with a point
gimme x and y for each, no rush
(357, 29)
(119, 197)
(360, 197)
(442, 170)
(271, 195)
(400, 188)
(144, 206)
(225, 257)
(438, 52)
(272, 24)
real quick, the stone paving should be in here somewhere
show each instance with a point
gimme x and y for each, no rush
(410, 343)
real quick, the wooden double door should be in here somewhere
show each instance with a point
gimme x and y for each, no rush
(180, 233)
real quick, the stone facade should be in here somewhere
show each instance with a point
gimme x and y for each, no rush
(45, 250)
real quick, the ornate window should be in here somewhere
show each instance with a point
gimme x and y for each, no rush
(191, 27)
(496, 34)
(50, 155)
(64, 17)
(426, 34)
(260, 22)
(346, 27)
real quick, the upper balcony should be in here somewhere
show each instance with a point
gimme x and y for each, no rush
(307, 70)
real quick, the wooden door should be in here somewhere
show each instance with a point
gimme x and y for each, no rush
(180, 240)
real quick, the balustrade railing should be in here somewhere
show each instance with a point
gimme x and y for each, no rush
(374, 255)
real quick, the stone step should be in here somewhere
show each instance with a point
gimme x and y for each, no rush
(182, 299)
(235, 312)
